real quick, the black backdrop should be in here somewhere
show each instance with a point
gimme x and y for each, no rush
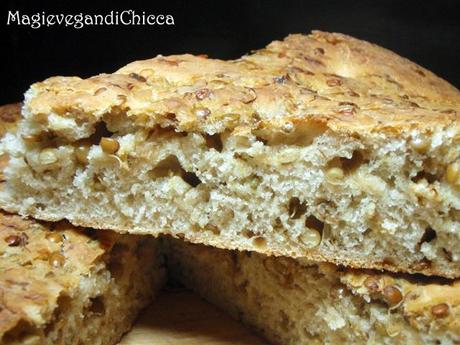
(427, 32)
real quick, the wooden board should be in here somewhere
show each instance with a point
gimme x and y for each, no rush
(179, 317)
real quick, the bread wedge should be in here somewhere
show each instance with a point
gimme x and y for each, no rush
(293, 303)
(65, 285)
(320, 146)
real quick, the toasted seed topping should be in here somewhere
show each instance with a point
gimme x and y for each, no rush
(17, 240)
(54, 237)
(250, 96)
(202, 94)
(13, 240)
(319, 51)
(202, 112)
(288, 127)
(440, 310)
(333, 82)
(392, 295)
(137, 77)
(109, 145)
(100, 90)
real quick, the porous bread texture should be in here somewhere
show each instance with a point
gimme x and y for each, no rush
(319, 146)
(62, 285)
(292, 303)
(10, 114)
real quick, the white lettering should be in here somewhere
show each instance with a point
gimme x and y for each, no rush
(14, 17)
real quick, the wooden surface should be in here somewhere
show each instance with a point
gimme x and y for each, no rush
(179, 317)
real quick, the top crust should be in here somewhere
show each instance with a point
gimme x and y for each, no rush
(329, 78)
(34, 272)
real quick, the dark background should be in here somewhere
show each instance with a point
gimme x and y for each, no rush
(427, 32)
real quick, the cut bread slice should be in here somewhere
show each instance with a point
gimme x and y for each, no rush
(292, 303)
(62, 285)
(65, 285)
(321, 146)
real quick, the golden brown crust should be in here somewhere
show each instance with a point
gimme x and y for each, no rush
(9, 116)
(37, 264)
(330, 78)
(424, 300)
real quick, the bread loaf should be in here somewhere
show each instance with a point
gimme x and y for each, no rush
(321, 146)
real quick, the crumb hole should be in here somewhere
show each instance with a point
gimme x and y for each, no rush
(63, 304)
(170, 166)
(314, 223)
(214, 142)
(118, 250)
(262, 140)
(430, 178)
(299, 134)
(214, 229)
(248, 234)
(259, 242)
(351, 164)
(191, 178)
(296, 208)
(116, 269)
(20, 334)
(448, 254)
(100, 131)
(165, 132)
(428, 236)
(97, 305)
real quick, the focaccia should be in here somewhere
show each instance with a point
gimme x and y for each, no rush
(321, 146)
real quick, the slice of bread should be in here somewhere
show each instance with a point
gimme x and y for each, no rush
(292, 303)
(319, 146)
(65, 285)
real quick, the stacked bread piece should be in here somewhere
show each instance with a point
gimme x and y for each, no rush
(60, 284)
(296, 303)
(336, 155)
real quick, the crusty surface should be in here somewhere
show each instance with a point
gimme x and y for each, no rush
(62, 285)
(319, 146)
(10, 114)
(294, 303)
(300, 79)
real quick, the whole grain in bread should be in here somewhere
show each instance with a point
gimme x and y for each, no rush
(320, 146)
(294, 303)
(65, 285)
